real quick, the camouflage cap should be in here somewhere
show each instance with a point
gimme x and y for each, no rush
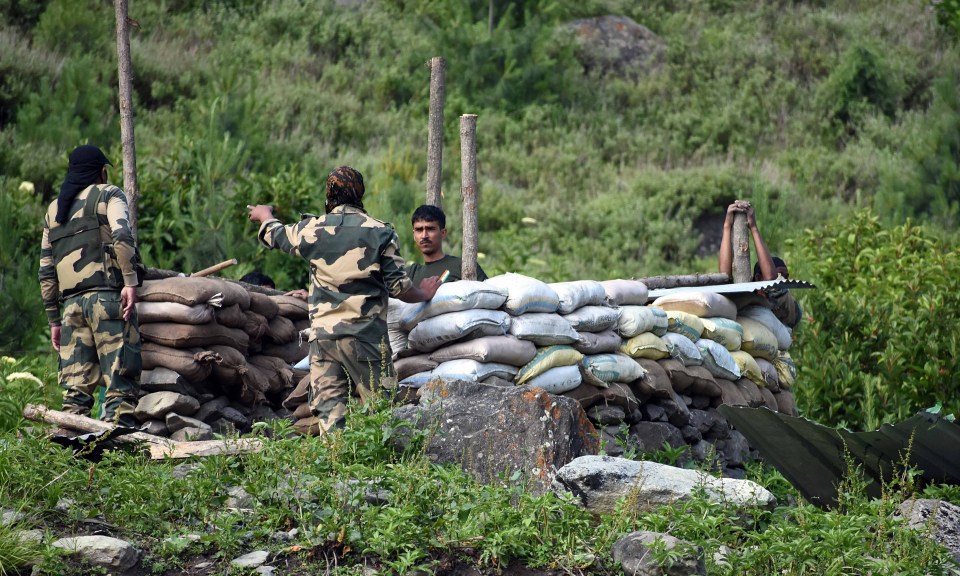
(344, 186)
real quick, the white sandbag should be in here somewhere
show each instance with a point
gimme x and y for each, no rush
(635, 320)
(496, 349)
(543, 329)
(558, 380)
(770, 321)
(683, 349)
(547, 358)
(625, 292)
(604, 342)
(454, 297)
(593, 318)
(577, 294)
(698, 303)
(397, 335)
(473, 371)
(417, 380)
(608, 368)
(758, 340)
(435, 332)
(717, 360)
(723, 331)
(686, 324)
(525, 294)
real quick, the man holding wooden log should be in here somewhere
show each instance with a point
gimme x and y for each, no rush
(355, 265)
(89, 261)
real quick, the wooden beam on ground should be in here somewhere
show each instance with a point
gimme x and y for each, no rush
(438, 74)
(159, 448)
(468, 194)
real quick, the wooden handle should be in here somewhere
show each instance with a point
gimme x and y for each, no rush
(216, 267)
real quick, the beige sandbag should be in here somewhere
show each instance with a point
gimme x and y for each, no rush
(194, 364)
(496, 349)
(699, 303)
(234, 293)
(730, 394)
(656, 383)
(749, 368)
(255, 325)
(280, 330)
(786, 369)
(189, 290)
(723, 331)
(547, 358)
(279, 374)
(194, 336)
(263, 305)
(765, 316)
(685, 324)
(625, 292)
(410, 365)
(758, 341)
(645, 345)
(230, 316)
(292, 307)
(148, 312)
(298, 395)
(291, 352)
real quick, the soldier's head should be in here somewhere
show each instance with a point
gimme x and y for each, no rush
(87, 165)
(258, 279)
(780, 267)
(344, 186)
(429, 231)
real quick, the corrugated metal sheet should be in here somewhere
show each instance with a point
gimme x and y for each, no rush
(813, 457)
(735, 288)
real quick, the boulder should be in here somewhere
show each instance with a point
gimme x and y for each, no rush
(111, 553)
(939, 516)
(633, 552)
(617, 44)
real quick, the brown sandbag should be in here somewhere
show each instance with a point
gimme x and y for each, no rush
(730, 393)
(586, 394)
(188, 290)
(148, 312)
(704, 384)
(769, 400)
(230, 316)
(291, 352)
(234, 293)
(292, 307)
(279, 374)
(194, 336)
(618, 394)
(280, 330)
(656, 383)
(786, 403)
(299, 395)
(414, 365)
(302, 411)
(680, 377)
(230, 368)
(263, 305)
(194, 365)
(750, 391)
(255, 325)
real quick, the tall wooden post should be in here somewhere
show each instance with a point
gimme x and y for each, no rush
(438, 74)
(468, 194)
(741, 249)
(130, 185)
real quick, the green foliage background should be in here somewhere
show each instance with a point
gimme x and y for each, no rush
(837, 119)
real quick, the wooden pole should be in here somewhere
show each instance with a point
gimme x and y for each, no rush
(438, 75)
(216, 267)
(685, 281)
(741, 249)
(468, 194)
(130, 186)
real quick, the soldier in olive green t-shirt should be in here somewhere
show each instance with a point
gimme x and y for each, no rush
(429, 231)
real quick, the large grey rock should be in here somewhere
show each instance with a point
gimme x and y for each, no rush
(617, 44)
(651, 436)
(156, 405)
(191, 434)
(939, 516)
(633, 552)
(600, 482)
(210, 411)
(492, 432)
(162, 380)
(176, 422)
(251, 560)
(110, 553)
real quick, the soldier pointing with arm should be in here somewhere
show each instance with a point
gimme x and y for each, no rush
(355, 265)
(89, 262)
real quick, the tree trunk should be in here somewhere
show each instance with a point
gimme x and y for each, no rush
(435, 131)
(741, 249)
(130, 186)
(468, 194)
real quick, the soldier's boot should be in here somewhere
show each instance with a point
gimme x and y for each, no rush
(329, 415)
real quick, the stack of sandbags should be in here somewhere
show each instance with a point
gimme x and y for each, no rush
(213, 342)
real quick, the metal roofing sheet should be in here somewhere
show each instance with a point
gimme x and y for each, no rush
(814, 458)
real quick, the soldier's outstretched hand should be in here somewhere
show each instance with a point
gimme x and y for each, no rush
(128, 298)
(260, 213)
(430, 285)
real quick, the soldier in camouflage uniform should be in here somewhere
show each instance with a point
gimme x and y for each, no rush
(355, 265)
(89, 262)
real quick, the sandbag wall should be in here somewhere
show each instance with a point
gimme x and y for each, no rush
(218, 357)
(646, 373)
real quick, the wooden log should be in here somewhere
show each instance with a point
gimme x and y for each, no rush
(685, 281)
(159, 448)
(438, 73)
(468, 194)
(216, 268)
(130, 185)
(741, 269)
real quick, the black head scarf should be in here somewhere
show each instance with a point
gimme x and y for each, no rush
(86, 162)
(344, 186)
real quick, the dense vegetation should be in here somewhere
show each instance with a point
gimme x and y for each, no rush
(839, 120)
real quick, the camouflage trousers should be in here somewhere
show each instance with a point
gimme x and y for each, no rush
(99, 348)
(345, 367)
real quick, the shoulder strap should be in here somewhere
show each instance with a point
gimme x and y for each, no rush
(93, 198)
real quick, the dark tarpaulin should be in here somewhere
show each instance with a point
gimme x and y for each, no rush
(813, 457)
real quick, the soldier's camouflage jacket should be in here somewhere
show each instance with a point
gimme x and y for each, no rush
(355, 264)
(93, 250)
